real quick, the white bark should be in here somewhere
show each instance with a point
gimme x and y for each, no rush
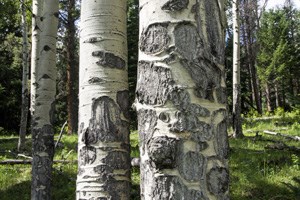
(36, 16)
(237, 126)
(181, 100)
(103, 145)
(25, 65)
(44, 85)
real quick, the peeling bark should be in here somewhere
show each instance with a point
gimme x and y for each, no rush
(180, 100)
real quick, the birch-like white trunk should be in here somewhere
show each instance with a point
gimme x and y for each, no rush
(35, 39)
(181, 100)
(236, 87)
(103, 145)
(25, 93)
(45, 88)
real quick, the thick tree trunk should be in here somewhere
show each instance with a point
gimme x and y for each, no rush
(72, 69)
(236, 96)
(103, 145)
(181, 100)
(25, 93)
(45, 83)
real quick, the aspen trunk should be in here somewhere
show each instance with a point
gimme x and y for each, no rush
(268, 98)
(36, 24)
(25, 93)
(45, 88)
(181, 100)
(103, 145)
(236, 99)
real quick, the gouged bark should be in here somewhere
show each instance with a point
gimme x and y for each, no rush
(25, 93)
(236, 96)
(181, 100)
(103, 145)
(44, 85)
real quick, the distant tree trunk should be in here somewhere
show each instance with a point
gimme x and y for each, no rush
(268, 98)
(72, 69)
(181, 100)
(246, 64)
(277, 95)
(103, 144)
(25, 93)
(236, 99)
(45, 82)
(249, 30)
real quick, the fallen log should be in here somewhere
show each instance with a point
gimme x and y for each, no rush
(297, 138)
(18, 162)
(282, 146)
(135, 162)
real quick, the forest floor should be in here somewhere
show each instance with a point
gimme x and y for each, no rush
(262, 166)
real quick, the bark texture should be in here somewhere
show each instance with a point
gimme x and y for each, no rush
(44, 66)
(181, 100)
(103, 145)
(236, 96)
(25, 93)
(72, 69)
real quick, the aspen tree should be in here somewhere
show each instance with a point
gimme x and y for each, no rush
(181, 100)
(103, 144)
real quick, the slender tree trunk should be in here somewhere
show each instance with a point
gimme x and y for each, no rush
(181, 100)
(45, 83)
(25, 93)
(36, 24)
(72, 69)
(268, 98)
(277, 96)
(236, 99)
(103, 145)
(250, 29)
(247, 65)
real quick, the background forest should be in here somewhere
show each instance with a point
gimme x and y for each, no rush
(262, 166)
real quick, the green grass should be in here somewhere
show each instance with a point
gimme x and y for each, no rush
(15, 179)
(256, 173)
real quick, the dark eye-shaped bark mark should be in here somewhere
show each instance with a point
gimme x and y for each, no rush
(155, 84)
(106, 124)
(123, 102)
(191, 166)
(147, 121)
(87, 155)
(154, 39)
(110, 60)
(162, 151)
(187, 41)
(217, 181)
(175, 5)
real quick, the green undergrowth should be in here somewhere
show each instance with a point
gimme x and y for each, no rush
(257, 171)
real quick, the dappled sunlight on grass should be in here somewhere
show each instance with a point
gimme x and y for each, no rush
(256, 172)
